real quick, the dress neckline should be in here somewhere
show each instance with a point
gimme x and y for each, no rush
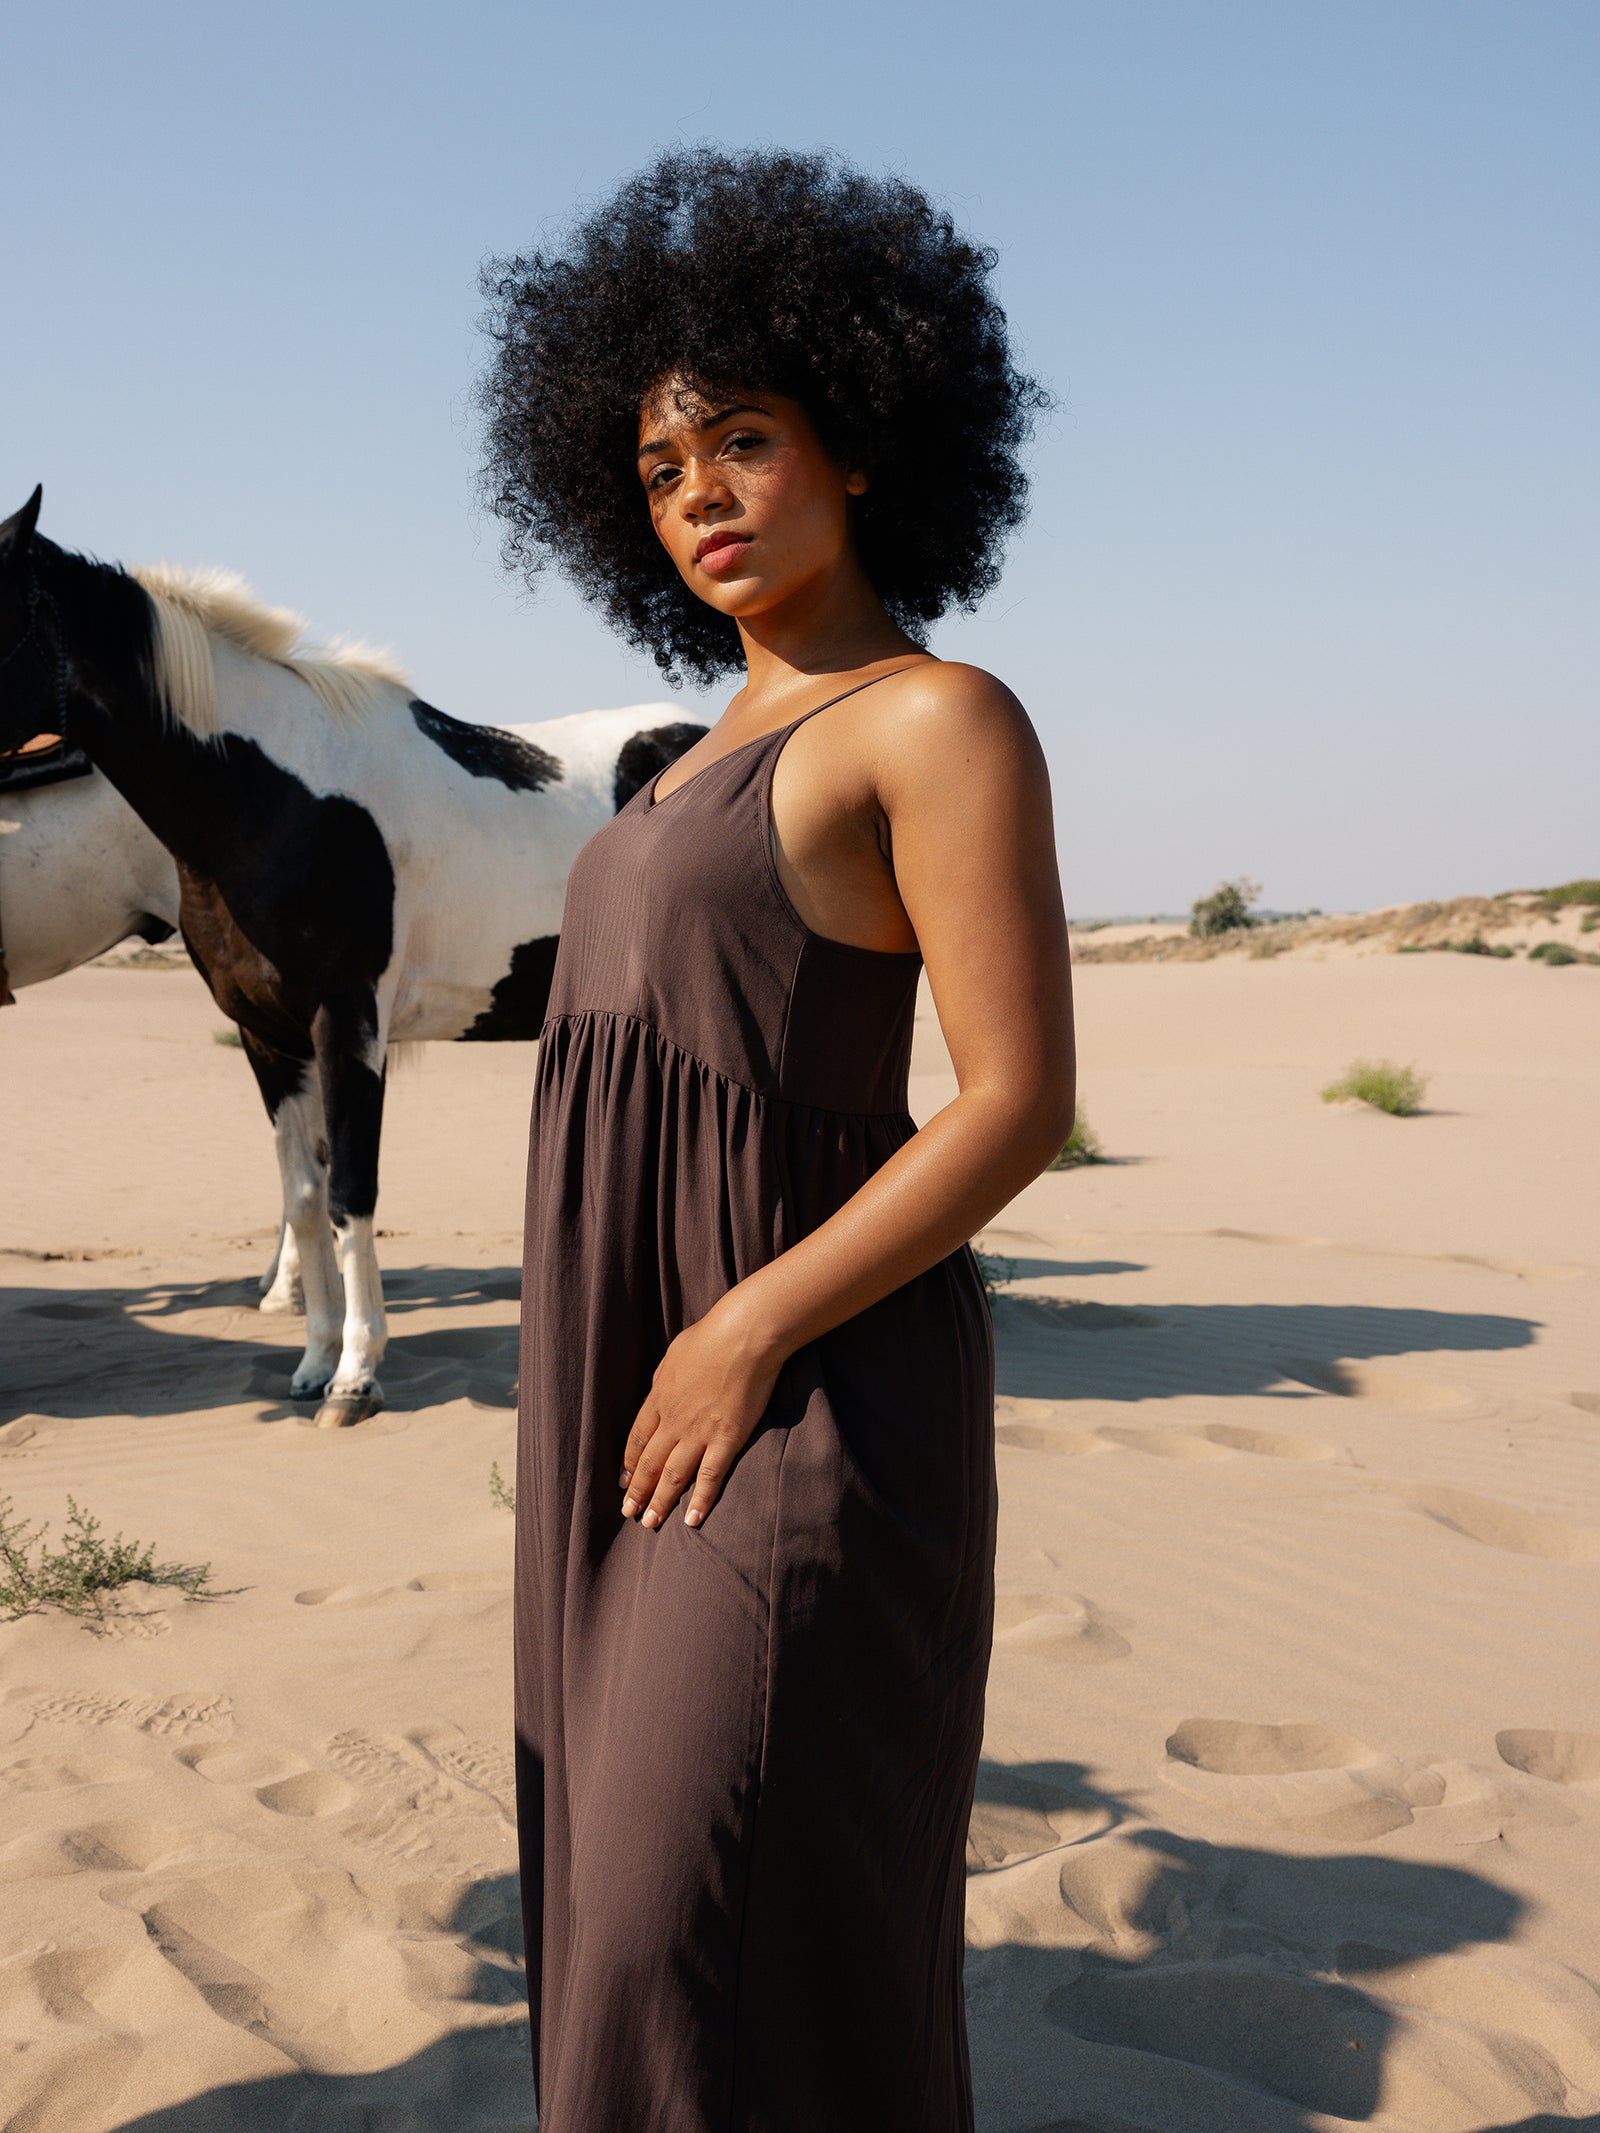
(755, 740)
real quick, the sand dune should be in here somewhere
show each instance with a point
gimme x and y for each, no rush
(1288, 1815)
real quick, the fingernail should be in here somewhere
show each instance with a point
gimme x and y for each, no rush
(628, 1507)
(692, 1517)
(652, 1519)
(625, 1477)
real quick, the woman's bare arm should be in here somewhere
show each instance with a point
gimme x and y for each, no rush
(962, 784)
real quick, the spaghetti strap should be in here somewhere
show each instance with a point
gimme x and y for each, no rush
(777, 733)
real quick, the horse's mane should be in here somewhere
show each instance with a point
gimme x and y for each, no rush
(194, 606)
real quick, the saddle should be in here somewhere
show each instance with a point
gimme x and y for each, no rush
(45, 760)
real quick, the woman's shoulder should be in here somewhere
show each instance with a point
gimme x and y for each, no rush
(942, 713)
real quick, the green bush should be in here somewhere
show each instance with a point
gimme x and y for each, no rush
(229, 1036)
(1082, 1145)
(74, 1576)
(1399, 1090)
(995, 1269)
(1225, 910)
(1556, 953)
(1570, 892)
(501, 1493)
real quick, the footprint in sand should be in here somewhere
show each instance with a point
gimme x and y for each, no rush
(23, 1436)
(1054, 1625)
(1017, 1817)
(344, 1595)
(484, 1770)
(424, 1581)
(240, 1762)
(1268, 1443)
(1368, 1381)
(309, 1793)
(1166, 1443)
(1233, 1749)
(52, 1773)
(1498, 1525)
(1039, 1426)
(1300, 1775)
(202, 1712)
(141, 1847)
(1562, 1758)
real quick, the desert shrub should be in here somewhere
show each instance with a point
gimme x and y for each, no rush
(1399, 1090)
(995, 1269)
(501, 1493)
(229, 1036)
(1225, 910)
(1556, 953)
(1082, 1145)
(1570, 892)
(75, 1575)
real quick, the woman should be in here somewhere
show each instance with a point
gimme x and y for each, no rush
(761, 409)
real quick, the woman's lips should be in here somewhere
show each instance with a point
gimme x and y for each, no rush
(718, 556)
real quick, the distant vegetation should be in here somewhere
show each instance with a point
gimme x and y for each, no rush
(1225, 910)
(1554, 952)
(74, 1576)
(1399, 1090)
(1570, 892)
(1082, 1145)
(995, 1269)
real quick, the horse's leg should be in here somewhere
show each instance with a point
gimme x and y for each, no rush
(293, 1096)
(350, 1065)
(281, 1288)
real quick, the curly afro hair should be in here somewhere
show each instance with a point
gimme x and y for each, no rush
(792, 274)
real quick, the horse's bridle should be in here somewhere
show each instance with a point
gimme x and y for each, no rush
(38, 600)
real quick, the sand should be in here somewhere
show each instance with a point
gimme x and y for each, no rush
(1289, 1811)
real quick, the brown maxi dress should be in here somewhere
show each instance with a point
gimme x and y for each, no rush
(745, 1751)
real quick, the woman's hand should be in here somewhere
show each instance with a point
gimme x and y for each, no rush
(709, 1391)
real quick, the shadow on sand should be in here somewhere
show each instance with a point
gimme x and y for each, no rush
(125, 1350)
(1055, 1350)
(1175, 1987)
(121, 1350)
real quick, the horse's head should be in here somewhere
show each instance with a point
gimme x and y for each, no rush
(32, 670)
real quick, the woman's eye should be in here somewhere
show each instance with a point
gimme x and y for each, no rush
(743, 439)
(658, 476)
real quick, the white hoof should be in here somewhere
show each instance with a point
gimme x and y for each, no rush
(310, 1384)
(342, 1410)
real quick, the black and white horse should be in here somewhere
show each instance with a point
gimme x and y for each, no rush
(355, 868)
(79, 872)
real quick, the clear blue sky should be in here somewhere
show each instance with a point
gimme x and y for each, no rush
(1309, 588)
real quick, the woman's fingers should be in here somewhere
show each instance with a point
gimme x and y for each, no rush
(676, 1474)
(645, 1471)
(645, 1425)
(720, 1454)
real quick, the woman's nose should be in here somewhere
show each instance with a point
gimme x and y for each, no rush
(703, 488)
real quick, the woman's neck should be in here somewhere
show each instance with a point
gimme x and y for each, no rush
(835, 625)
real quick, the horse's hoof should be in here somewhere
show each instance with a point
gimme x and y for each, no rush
(342, 1410)
(308, 1388)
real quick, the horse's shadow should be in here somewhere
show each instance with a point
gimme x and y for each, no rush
(72, 1353)
(1190, 1988)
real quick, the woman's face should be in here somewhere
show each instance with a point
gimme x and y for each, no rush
(743, 495)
